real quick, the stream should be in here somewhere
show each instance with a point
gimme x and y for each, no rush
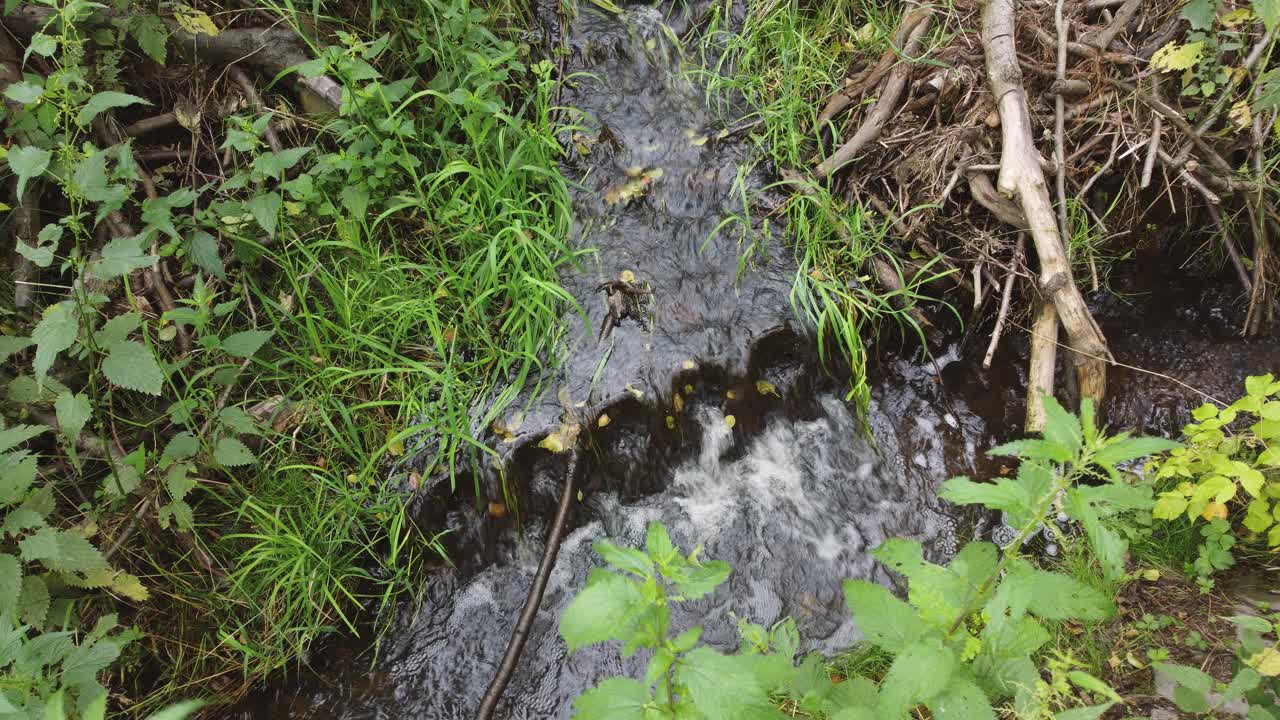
(797, 492)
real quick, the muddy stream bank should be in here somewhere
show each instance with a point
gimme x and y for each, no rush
(799, 488)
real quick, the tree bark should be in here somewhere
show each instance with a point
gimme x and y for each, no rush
(1022, 179)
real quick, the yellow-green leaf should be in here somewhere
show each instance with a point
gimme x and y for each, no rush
(1176, 56)
(196, 22)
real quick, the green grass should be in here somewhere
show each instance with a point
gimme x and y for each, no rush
(781, 66)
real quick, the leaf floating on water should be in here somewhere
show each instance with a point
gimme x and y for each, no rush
(764, 387)
(677, 403)
(689, 365)
(638, 394)
(560, 440)
(730, 421)
(603, 421)
(639, 182)
(579, 496)
(627, 277)
(688, 389)
(497, 509)
(731, 394)
(671, 423)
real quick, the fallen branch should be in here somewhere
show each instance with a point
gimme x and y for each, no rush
(521, 633)
(270, 50)
(1153, 149)
(146, 126)
(255, 101)
(1101, 38)
(1005, 300)
(1044, 358)
(1021, 178)
(844, 97)
(884, 108)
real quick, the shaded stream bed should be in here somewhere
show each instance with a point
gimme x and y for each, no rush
(797, 490)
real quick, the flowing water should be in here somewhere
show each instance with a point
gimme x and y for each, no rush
(794, 495)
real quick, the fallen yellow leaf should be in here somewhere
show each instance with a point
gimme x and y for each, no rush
(1266, 662)
(730, 421)
(603, 420)
(764, 387)
(1214, 510)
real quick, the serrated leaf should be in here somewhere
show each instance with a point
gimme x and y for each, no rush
(604, 610)
(202, 248)
(131, 365)
(18, 434)
(1200, 13)
(119, 257)
(1084, 713)
(265, 208)
(276, 163)
(182, 446)
(961, 700)
(658, 543)
(695, 581)
(1055, 596)
(130, 586)
(231, 452)
(245, 344)
(883, 619)
(1033, 449)
(625, 559)
(85, 662)
(617, 698)
(42, 45)
(117, 329)
(918, 674)
(55, 332)
(17, 473)
(10, 345)
(73, 413)
(1132, 449)
(1177, 57)
(723, 687)
(61, 551)
(23, 93)
(178, 711)
(1061, 427)
(10, 582)
(33, 603)
(103, 101)
(152, 35)
(27, 163)
(195, 22)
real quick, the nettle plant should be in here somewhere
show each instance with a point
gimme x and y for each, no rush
(1228, 475)
(963, 639)
(1256, 676)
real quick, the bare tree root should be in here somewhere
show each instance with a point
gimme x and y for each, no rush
(1044, 358)
(1021, 178)
(884, 108)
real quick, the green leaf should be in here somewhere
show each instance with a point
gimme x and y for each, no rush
(1193, 678)
(182, 446)
(103, 101)
(55, 332)
(33, 603)
(151, 33)
(1033, 449)
(625, 559)
(920, 672)
(10, 345)
(1014, 638)
(117, 329)
(1258, 386)
(232, 453)
(202, 248)
(1085, 681)
(617, 698)
(85, 662)
(55, 707)
(1190, 700)
(1055, 596)
(18, 434)
(961, 700)
(1107, 545)
(1061, 427)
(695, 581)
(1269, 12)
(1133, 448)
(1200, 13)
(604, 610)
(24, 93)
(658, 543)
(73, 413)
(17, 473)
(27, 163)
(61, 551)
(723, 687)
(131, 365)
(42, 45)
(883, 619)
(1246, 680)
(245, 344)
(41, 256)
(10, 582)
(120, 256)
(1092, 712)
(276, 163)
(265, 209)
(1176, 57)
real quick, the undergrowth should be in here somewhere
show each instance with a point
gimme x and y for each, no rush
(201, 413)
